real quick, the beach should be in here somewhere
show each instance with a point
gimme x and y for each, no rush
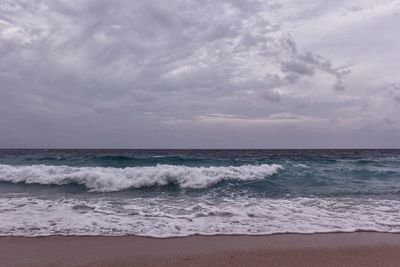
(331, 249)
(199, 208)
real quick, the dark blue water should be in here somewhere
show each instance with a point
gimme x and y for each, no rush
(304, 173)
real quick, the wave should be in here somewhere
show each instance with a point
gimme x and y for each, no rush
(107, 179)
(183, 216)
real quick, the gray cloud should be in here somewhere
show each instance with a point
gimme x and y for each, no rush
(395, 91)
(141, 74)
(297, 68)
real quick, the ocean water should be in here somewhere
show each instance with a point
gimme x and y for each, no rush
(164, 193)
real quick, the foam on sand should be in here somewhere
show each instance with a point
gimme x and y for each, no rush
(165, 216)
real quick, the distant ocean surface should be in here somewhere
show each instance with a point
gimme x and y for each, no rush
(165, 193)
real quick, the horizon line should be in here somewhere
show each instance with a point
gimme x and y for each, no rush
(200, 148)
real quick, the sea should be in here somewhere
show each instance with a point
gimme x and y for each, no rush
(174, 193)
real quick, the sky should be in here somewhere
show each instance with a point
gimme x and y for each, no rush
(199, 74)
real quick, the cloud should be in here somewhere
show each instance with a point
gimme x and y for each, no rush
(395, 91)
(73, 73)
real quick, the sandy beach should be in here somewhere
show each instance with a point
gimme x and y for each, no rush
(337, 249)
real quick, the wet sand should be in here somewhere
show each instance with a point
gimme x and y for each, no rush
(336, 249)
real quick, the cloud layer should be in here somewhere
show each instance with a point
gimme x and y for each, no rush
(246, 74)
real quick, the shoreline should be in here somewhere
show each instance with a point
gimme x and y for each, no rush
(207, 235)
(325, 249)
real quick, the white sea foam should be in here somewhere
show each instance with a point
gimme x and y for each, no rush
(107, 179)
(171, 216)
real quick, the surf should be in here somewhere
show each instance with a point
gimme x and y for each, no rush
(108, 179)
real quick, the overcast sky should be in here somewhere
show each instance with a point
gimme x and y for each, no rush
(199, 74)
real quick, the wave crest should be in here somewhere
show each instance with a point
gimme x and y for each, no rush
(107, 179)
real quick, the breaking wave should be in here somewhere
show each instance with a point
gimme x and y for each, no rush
(107, 179)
